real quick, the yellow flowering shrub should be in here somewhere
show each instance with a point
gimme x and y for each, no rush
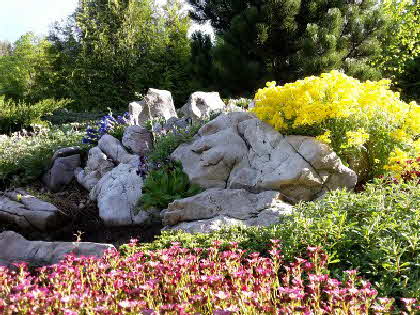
(350, 115)
(325, 137)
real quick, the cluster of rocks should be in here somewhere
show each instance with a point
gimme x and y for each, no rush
(252, 174)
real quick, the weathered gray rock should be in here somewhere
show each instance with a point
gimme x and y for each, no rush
(97, 166)
(96, 158)
(156, 104)
(28, 212)
(65, 152)
(205, 225)
(134, 110)
(114, 150)
(201, 104)
(87, 179)
(117, 194)
(232, 108)
(216, 207)
(15, 248)
(237, 150)
(174, 123)
(62, 172)
(138, 139)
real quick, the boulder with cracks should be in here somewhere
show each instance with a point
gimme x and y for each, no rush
(27, 212)
(117, 194)
(210, 210)
(237, 150)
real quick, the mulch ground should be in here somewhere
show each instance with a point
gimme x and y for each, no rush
(81, 220)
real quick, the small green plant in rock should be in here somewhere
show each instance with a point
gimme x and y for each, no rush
(164, 185)
(167, 143)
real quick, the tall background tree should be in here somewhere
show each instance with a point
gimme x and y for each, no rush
(400, 59)
(111, 50)
(26, 71)
(284, 40)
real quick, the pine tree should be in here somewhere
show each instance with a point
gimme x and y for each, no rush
(286, 40)
(201, 67)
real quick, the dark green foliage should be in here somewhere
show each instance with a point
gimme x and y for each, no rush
(166, 144)
(201, 61)
(257, 41)
(409, 80)
(400, 58)
(375, 231)
(164, 185)
(16, 116)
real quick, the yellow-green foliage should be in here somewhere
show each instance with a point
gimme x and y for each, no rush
(358, 119)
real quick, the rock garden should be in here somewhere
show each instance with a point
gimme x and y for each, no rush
(156, 210)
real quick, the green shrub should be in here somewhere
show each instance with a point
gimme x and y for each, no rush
(24, 159)
(16, 116)
(164, 185)
(166, 144)
(375, 232)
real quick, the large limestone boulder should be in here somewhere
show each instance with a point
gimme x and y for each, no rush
(15, 248)
(237, 150)
(61, 173)
(27, 212)
(156, 104)
(212, 209)
(137, 139)
(117, 193)
(201, 104)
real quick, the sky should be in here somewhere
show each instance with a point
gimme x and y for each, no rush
(18, 17)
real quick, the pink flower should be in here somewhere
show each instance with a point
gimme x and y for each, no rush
(408, 301)
(222, 295)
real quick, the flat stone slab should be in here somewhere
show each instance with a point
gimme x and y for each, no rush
(215, 208)
(27, 212)
(15, 248)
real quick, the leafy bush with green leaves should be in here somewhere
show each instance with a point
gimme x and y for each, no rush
(375, 232)
(24, 159)
(167, 143)
(16, 116)
(164, 185)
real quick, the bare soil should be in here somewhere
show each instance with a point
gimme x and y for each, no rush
(81, 220)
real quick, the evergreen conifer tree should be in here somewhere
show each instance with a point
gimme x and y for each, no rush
(285, 40)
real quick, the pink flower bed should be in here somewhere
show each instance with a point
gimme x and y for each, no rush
(184, 281)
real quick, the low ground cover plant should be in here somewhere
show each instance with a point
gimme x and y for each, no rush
(164, 185)
(190, 281)
(24, 158)
(360, 120)
(375, 232)
(17, 116)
